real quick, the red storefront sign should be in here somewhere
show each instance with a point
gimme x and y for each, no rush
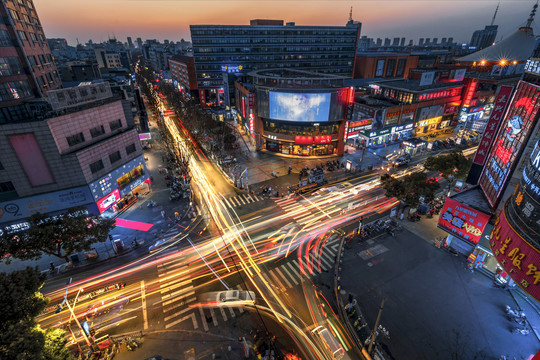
(303, 140)
(462, 221)
(250, 100)
(360, 123)
(517, 257)
(202, 97)
(450, 109)
(251, 122)
(493, 124)
(324, 139)
(108, 200)
(345, 133)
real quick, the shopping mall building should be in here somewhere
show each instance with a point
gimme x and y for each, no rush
(295, 112)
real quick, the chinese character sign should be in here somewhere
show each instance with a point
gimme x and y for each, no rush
(493, 124)
(519, 259)
(515, 128)
(462, 221)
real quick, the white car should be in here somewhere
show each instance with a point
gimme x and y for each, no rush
(230, 297)
(330, 342)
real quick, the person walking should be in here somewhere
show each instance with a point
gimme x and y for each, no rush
(163, 214)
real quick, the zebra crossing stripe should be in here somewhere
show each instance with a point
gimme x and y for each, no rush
(223, 314)
(324, 263)
(275, 279)
(257, 198)
(227, 203)
(178, 298)
(283, 201)
(214, 319)
(304, 218)
(241, 198)
(176, 314)
(290, 275)
(203, 318)
(233, 315)
(290, 207)
(283, 277)
(249, 197)
(193, 318)
(169, 286)
(234, 201)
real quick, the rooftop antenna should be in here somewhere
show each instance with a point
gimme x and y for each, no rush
(350, 14)
(494, 15)
(531, 16)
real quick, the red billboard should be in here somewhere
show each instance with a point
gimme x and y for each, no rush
(511, 137)
(108, 200)
(303, 140)
(462, 221)
(493, 124)
(518, 258)
(323, 139)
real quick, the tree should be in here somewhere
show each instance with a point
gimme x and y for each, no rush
(20, 335)
(451, 166)
(59, 235)
(410, 188)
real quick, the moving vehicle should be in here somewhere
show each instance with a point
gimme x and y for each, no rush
(230, 297)
(331, 343)
(401, 161)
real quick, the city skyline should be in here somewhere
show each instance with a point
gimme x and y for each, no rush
(171, 19)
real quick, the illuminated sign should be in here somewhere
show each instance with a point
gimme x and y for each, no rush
(407, 116)
(346, 132)
(361, 123)
(493, 124)
(302, 107)
(462, 221)
(303, 140)
(470, 92)
(440, 94)
(532, 66)
(517, 257)
(202, 97)
(108, 200)
(231, 69)
(323, 139)
(251, 121)
(145, 136)
(510, 140)
(54, 201)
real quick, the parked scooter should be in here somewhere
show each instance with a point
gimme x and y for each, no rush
(520, 331)
(516, 315)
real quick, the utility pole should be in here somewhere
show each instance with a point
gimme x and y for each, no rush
(374, 332)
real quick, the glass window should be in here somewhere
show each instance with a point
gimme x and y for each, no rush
(116, 124)
(6, 186)
(22, 35)
(10, 66)
(97, 131)
(131, 148)
(126, 179)
(75, 139)
(4, 38)
(390, 65)
(32, 60)
(96, 166)
(14, 90)
(14, 14)
(401, 67)
(114, 157)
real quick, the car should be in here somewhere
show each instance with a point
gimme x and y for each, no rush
(401, 161)
(330, 342)
(222, 298)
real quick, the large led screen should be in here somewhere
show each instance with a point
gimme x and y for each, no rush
(511, 137)
(301, 107)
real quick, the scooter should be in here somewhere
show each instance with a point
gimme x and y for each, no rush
(521, 331)
(514, 313)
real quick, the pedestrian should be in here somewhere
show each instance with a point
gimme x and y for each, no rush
(163, 214)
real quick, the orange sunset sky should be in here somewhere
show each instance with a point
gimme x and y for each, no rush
(170, 19)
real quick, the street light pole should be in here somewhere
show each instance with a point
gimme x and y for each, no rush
(373, 334)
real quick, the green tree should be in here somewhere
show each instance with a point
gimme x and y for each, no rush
(21, 337)
(450, 166)
(59, 235)
(410, 188)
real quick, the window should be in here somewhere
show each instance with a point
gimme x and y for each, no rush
(96, 166)
(116, 124)
(33, 37)
(4, 38)
(126, 179)
(97, 131)
(400, 67)
(14, 90)
(114, 157)
(10, 66)
(380, 67)
(32, 60)
(390, 65)
(131, 149)
(6, 186)
(14, 14)
(75, 139)
(22, 35)
(26, 18)
(41, 59)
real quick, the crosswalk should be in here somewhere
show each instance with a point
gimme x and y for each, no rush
(178, 293)
(241, 199)
(300, 213)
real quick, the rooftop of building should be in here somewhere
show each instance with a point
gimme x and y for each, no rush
(294, 79)
(382, 53)
(473, 198)
(413, 85)
(293, 74)
(182, 58)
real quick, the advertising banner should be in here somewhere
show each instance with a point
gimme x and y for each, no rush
(303, 140)
(323, 139)
(108, 200)
(301, 107)
(45, 203)
(518, 258)
(493, 124)
(106, 184)
(462, 221)
(510, 139)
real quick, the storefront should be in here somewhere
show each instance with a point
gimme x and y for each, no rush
(387, 136)
(464, 224)
(475, 118)
(119, 189)
(302, 145)
(355, 132)
(414, 146)
(424, 127)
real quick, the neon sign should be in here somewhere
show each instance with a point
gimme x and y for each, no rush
(462, 221)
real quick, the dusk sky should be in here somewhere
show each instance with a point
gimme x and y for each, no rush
(170, 19)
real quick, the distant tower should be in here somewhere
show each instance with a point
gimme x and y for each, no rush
(350, 15)
(495, 14)
(402, 43)
(483, 38)
(387, 41)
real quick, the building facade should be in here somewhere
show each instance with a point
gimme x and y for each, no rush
(183, 74)
(225, 53)
(295, 112)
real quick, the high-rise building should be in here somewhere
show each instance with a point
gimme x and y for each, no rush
(379, 42)
(28, 69)
(402, 43)
(483, 38)
(130, 42)
(387, 41)
(395, 42)
(139, 42)
(224, 53)
(421, 42)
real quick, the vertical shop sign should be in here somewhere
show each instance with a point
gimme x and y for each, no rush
(493, 124)
(202, 97)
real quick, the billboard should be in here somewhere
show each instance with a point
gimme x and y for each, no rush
(46, 203)
(493, 124)
(108, 200)
(511, 138)
(518, 257)
(301, 107)
(462, 221)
